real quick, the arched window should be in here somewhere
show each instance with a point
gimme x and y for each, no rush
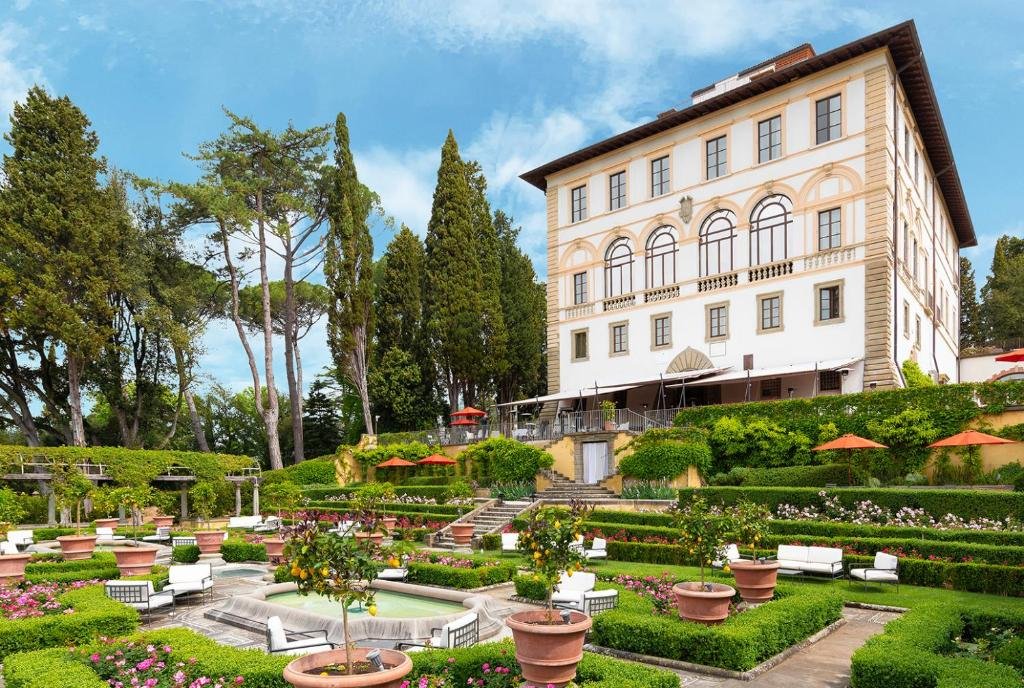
(618, 268)
(715, 242)
(769, 229)
(661, 258)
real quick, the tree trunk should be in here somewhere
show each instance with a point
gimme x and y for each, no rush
(75, 399)
(197, 423)
(271, 415)
(357, 368)
(298, 379)
(290, 357)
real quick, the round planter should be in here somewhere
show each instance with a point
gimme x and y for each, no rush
(696, 604)
(388, 522)
(275, 550)
(364, 537)
(75, 547)
(135, 561)
(107, 522)
(548, 653)
(12, 568)
(755, 580)
(462, 533)
(295, 671)
(163, 521)
(209, 541)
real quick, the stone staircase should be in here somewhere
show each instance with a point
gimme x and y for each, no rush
(490, 520)
(563, 489)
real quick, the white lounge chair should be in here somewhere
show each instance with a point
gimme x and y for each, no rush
(105, 535)
(246, 522)
(182, 540)
(598, 551)
(570, 589)
(185, 579)
(140, 595)
(727, 555)
(8, 548)
(163, 534)
(593, 602)
(345, 529)
(885, 570)
(577, 546)
(462, 632)
(279, 642)
(20, 538)
(271, 525)
(510, 542)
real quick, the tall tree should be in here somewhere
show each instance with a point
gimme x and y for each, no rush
(1002, 306)
(970, 311)
(523, 304)
(322, 422)
(58, 240)
(453, 277)
(348, 269)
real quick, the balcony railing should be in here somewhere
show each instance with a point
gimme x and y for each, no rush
(577, 311)
(661, 293)
(619, 302)
(763, 272)
(826, 258)
(714, 282)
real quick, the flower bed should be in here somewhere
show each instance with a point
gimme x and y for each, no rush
(433, 568)
(148, 666)
(35, 600)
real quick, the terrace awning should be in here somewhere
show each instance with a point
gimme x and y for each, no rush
(777, 371)
(615, 387)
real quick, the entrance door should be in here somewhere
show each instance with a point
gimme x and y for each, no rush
(595, 462)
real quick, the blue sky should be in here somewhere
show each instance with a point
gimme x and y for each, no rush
(519, 82)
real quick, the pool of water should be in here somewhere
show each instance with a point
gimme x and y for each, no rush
(240, 572)
(390, 605)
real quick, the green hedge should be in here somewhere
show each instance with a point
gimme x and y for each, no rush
(789, 476)
(101, 566)
(51, 668)
(185, 554)
(235, 551)
(740, 643)
(463, 579)
(95, 615)
(963, 503)
(428, 480)
(318, 471)
(911, 651)
(393, 507)
(530, 588)
(425, 515)
(665, 460)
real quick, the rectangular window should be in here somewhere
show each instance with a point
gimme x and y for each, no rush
(771, 313)
(617, 190)
(716, 157)
(662, 331)
(917, 161)
(579, 345)
(660, 179)
(829, 229)
(620, 338)
(906, 142)
(906, 320)
(906, 244)
(828, 120)
(915, 253)
(917, 331)
(769, 139)
(718, 322)
(830, 381)
(579, 203)
(771, 388)
(579, 288)
(828, 303)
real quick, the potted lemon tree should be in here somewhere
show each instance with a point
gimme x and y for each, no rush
(136, 560)
(755, 577)
(342, 570)
(549, 645)
(70, 488)
(204, 503)
(703, 534)
(282, 496)
(370, 502)
(608, 414)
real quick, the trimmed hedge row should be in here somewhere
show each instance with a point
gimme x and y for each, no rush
(464, 579)
(394, 507)
(95, 615)
(911, 650)
(438, 492)
(185, 554)
(787, 476)
(428, 516)
(235, 551)
(739, 644)
(101, 566)
(956, 551)
(963, 503)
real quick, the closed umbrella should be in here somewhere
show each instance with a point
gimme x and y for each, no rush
(848, 443)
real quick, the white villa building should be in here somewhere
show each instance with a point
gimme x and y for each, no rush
(794, 231)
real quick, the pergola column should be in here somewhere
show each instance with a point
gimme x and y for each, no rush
(255, 497)
(238, 499)
(184, 502)
(51, 502)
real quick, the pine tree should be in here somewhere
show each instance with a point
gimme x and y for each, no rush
(970, 311)
(321, 421)
(452, 276)
(348, 268)
(1002, 307)
(399, 303)
(523, 303)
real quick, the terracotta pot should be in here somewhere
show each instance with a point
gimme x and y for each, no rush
(294, 672)
(163, 521)
(135, 561)
(75, 547)
(209, 541)
(462, 533)
(755, 580)
(705, 607)
(376, 538)
(107, 522)
(275, 550)
(548, 653)
(389, 523)
(12, 568)
(609, 426)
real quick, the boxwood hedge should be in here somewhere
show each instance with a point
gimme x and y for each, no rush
(236, 550)
(464, 579)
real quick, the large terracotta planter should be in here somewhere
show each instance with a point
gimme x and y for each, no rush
(209, 541)
(388, 522)
(12, 568)
(548, 653)
(75, 547)
(706, 607)
(163, 521)
(135, 561)
(462, 533)
(755, 580)
(275, 550)
(399, 663)
(363, 537)
(107, 522)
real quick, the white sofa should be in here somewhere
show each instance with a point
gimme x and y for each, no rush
(826, 561)
(599, 550)
(248, 522)
(20, 538)
(184, 579)
(270, 525)
(884, 570)
(278, 641)
(510, 542)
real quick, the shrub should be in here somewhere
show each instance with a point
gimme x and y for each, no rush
(914, 376)
(490, 541)
(428, 480)
(513, 492)
(907, 434)
(185, 554)
(648, 490)
(504, 460)
(1012, 653)
(428, 573)
(757, 442)
(234, 550)
(666, 460)
(788, 476)
(531, 589)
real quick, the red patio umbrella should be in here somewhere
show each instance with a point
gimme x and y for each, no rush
(395, 462)
(1015, 356)
(848, 443)
(465, 421)
(437, 460)
(470, 411)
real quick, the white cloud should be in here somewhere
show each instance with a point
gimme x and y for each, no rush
(404, 180)
(15, 75)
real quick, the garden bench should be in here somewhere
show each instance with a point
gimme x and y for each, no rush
(570, 589)
(284, 642)
(185, 579)
(727, 555)
(393, 574)
(795, 560)
(462, 632)
(599, 550)
(592, 602)
(140, 595)
(20, 538)
(884, 570)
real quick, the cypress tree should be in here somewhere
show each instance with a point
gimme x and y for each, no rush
(1002, 306)
(970, 311)
(452, 276)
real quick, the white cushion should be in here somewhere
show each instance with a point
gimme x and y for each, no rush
(819, 567)
(20, 537)
(580, 581)
(791, 553)
(824, 555)
(727, 555)
(885, 561)
(188, 573)
(8, 548)
(509, 542)
(599, 544)
(393, 574)
(244, 521)
(596, 554)
(792, 564)
(574, 598)
(882, 576)
(107, 534)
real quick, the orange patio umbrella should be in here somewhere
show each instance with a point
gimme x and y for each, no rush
(465, 421)
(848, 443)
(470, 411)
(437, 460)
(1015, 356)
(395, 462)
(969, 438)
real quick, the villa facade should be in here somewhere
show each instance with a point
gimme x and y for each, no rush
(794, 231)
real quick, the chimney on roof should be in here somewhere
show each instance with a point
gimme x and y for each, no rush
(769, 66)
